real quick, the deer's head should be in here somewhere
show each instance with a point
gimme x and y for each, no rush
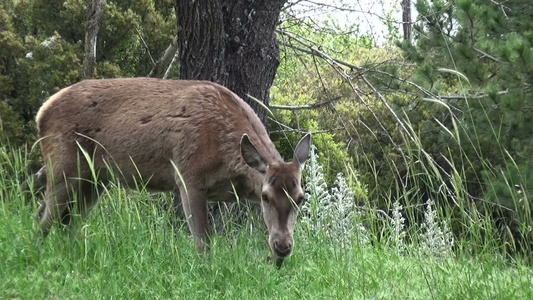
(281, 194)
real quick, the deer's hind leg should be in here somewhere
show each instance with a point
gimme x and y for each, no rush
(58, 201)
(88, 195)
(68, 186)
(64, 196)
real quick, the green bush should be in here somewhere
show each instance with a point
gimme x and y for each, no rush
(41, 49)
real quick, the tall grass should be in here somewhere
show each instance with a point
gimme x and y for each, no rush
(481, 224)
(130, 248)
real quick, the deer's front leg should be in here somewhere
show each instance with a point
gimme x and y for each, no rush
(194, 202)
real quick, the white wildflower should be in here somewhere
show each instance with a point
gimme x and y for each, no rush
(331, 212)
(396, 239)
(436, 238)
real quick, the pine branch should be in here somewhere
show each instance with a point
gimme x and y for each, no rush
(486, 55)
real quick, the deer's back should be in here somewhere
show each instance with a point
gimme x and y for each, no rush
(196, 124)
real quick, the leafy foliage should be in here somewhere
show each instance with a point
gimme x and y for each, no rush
(332, 212)
(446, 119)
(491, 44)
(41, 50)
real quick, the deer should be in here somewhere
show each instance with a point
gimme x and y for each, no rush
(196, 139)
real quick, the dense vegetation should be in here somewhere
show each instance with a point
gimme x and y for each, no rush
(41, 46)
(424, 157)
(130, 248)
(442, 118)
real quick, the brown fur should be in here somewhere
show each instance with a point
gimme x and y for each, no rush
(146, 128)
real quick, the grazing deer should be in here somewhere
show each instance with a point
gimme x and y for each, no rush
(193, 138)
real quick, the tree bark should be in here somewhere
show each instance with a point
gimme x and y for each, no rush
(406, 19)
(94, 15)
(231, 42)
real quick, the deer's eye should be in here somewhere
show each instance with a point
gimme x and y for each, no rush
(264, 197)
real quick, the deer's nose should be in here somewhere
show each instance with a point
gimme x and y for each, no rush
(282, 249)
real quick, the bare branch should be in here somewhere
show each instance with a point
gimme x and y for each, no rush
(174, 59)
(313, 51)
(308, 106)
(384, 101)
(502, 7)
(291, 4)
(486, 55)
(476, 96)
(145, 45)
(166, 58)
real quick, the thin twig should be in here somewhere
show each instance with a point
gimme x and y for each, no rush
(285, 126)
(165, 57)
(145, 46)
(313, 51)
(307, 106)
(347, 8)
(503, 7)
(486, 55)
(174, 59)
(476, 96)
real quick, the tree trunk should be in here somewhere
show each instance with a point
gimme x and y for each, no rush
(406, 19)
(94, 15)
(231, 42)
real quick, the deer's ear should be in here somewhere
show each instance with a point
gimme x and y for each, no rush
(301, 153)
(251, 156)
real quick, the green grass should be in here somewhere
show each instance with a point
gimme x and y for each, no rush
(128, 250)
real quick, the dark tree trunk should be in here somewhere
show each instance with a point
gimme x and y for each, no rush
(94, 15)
(406, 19)
(231, 42)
